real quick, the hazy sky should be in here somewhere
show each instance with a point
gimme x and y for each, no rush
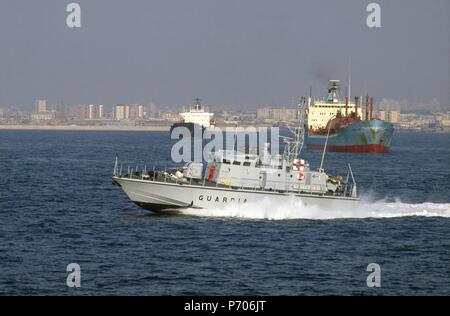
(239, 52)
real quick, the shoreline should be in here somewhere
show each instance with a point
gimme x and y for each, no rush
(103, 128)
(98, 128)
(125, 128)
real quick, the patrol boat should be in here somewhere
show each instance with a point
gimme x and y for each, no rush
(239, 177)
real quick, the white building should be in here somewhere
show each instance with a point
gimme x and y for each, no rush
(121, 112)
(100, 111)
(389, 116)
(95, 112)
(40, 106)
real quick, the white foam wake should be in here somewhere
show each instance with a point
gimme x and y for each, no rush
(295, 209)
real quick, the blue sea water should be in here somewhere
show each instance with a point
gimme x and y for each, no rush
(58, 206)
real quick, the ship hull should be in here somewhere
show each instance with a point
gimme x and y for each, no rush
(372, 136)
(171, 197)
(192, 127)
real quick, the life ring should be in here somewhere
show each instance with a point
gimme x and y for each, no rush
(300, 176)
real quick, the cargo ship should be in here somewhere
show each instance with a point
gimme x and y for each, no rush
(195, 117)
(344, 126)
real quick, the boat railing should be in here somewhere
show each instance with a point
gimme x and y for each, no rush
(349, 189)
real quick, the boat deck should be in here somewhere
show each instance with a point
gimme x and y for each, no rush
(161, 177)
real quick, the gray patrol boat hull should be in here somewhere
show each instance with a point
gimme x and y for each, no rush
(171, 197)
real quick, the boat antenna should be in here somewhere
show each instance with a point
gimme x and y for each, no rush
(325, 148)
(349, 86)
(197, 103)
(349, 79)
(294, 145)
(115, 173)
(235, 138)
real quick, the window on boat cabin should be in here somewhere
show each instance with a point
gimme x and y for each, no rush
(226, 161)
(237, 163)
(247, 163)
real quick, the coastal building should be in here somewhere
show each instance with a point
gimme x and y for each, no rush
(389, 116)
(444, 122)
(60, 112)
(152, 110)
(121, 112)
(100, 112)
(136, 112)
(79, 112)
(263, 113)
(276, 114)
(42, 117)
(394, 116)
(95, 112)
(40, 106)
(170, 117)
(285, 115)
(128, 112)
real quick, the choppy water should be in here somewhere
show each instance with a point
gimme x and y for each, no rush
(57, 206)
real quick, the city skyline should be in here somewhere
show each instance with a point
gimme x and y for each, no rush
(151, 116)
(404, 105)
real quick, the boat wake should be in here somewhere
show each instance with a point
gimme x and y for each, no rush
(294, 209)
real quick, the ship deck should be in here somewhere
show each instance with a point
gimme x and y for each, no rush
(165, 179)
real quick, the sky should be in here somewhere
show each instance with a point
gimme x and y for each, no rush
(243, 53)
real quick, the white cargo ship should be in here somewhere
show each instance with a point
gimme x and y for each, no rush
(195, 116)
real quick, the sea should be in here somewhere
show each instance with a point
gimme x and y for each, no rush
(58, 206)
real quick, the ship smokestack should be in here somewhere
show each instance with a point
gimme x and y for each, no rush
(371, 107)
(356, 105)
(346, 106)
(367, 107)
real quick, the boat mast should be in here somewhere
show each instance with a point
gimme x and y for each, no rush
(294, 145)
(198, 104)
(324, 150)
(349, 79)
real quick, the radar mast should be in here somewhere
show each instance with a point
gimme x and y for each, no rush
(294, 146)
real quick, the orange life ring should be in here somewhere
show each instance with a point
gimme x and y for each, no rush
(300, 176)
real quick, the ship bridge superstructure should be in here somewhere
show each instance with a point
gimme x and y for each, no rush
(197, 114)
(321, 111)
